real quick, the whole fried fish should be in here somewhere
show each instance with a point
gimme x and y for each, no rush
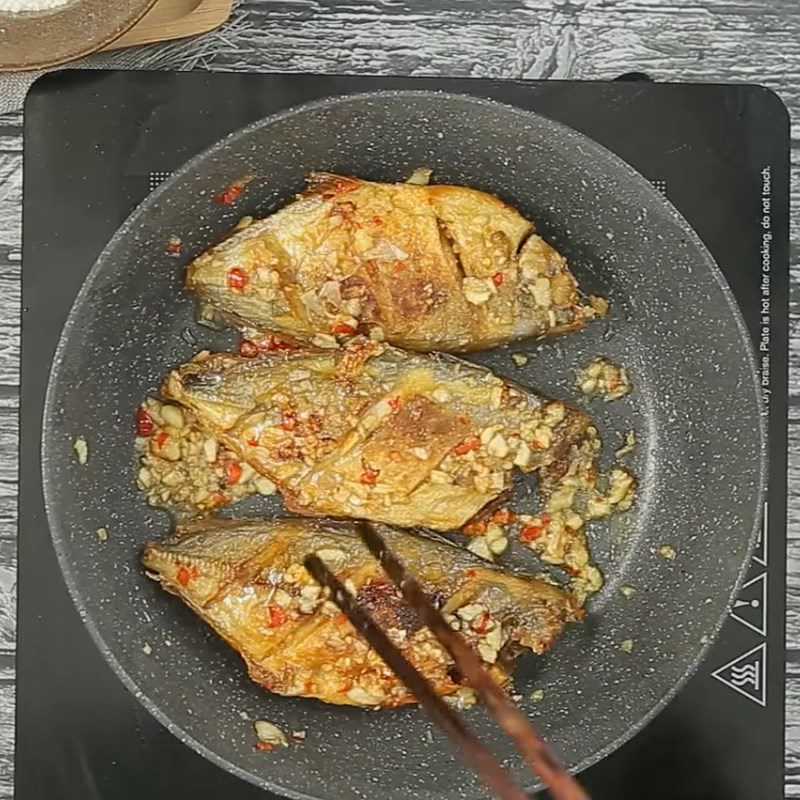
(246, 580)
(373, 432)
(432, 267)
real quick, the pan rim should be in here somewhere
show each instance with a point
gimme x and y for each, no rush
(570, 135)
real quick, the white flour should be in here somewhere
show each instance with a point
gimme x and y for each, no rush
(15, 6)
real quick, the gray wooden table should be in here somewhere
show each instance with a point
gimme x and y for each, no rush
(693, 40)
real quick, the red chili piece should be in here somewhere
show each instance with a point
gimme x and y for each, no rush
(275, 616)
(498, 278)
(483, 624)
(232, 472)
(230, 195)
(470, 443)
(369, 477)
(532, 532)
(144, 423)
(475, 528)
(184, 575)
(503, 516)
(344, 328)
(237, 280)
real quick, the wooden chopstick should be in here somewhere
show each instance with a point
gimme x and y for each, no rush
(477, 755)
(530, 745)
(518, 727)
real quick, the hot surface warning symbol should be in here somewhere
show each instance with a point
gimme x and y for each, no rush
(750, 607)
(747, 674)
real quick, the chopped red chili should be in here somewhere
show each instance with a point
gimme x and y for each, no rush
(344, 328)
(470, 443)
(475, 528)
(395, 401)
(483, 623)
(369, 477)
(232, 472)
(144, 423)
(530, 533)
(161, 437)
(237, 280)
(275, 616)
(503, 516)
(253, 441)
(248, 349)
(267, 746)
(498, 278)
(231, 194)
(184, 575)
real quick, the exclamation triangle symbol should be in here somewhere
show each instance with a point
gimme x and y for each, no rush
(747, 674)
(750, 607)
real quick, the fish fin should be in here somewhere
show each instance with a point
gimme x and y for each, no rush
(329, 184)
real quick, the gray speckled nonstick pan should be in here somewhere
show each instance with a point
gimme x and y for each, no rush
(695, 411)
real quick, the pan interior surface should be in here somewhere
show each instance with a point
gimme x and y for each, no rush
(694, 410)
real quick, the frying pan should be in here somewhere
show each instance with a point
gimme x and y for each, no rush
(695, 412)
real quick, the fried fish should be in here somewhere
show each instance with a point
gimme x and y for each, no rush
(247, 581)
(374, 432)
(427, 267)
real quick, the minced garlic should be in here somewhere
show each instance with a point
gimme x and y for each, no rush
(81, 450)
(667, 552)
(601, 378)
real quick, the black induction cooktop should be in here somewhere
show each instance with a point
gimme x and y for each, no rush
(100, 141)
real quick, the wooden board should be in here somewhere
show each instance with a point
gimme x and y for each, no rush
(175, 19)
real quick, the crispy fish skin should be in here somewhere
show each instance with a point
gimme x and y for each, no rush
(246, 580)
(372, 432)
(434, 267)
